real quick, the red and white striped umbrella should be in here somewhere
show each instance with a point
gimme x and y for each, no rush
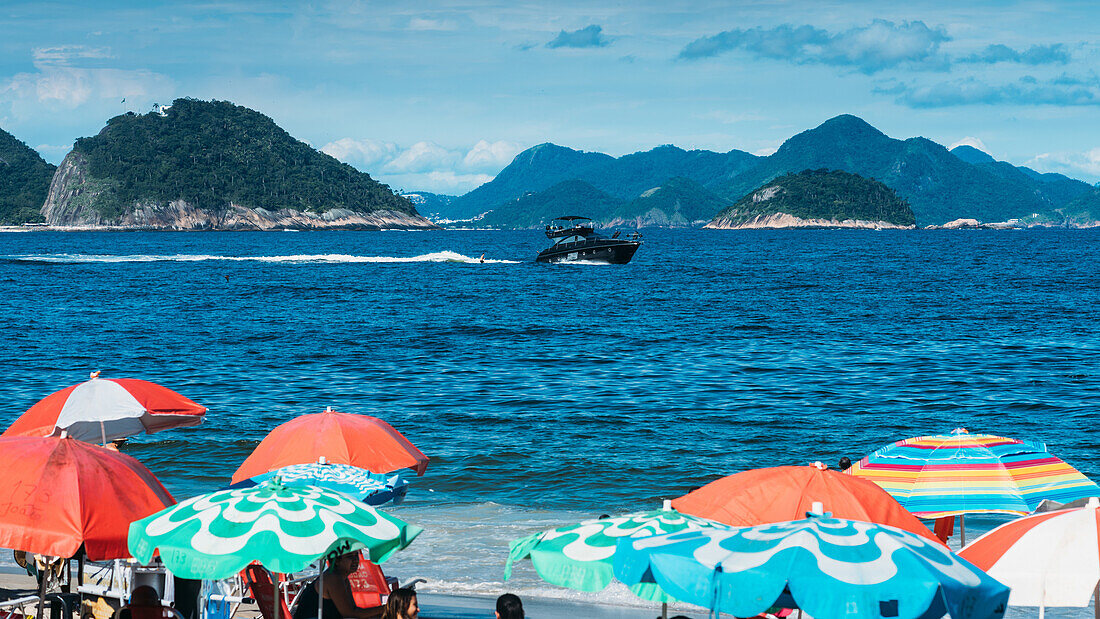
(1050, 559)
(107, 409)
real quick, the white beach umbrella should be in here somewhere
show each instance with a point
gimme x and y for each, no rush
(1049, 559)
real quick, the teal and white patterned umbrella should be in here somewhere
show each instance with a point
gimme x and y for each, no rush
(285, 528)
(829, 567)
(579, 556)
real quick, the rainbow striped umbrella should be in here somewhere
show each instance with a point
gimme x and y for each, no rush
(962, 473)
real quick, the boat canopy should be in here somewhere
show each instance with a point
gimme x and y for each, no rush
(572, 218)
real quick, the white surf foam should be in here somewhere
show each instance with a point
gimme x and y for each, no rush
(440, 256)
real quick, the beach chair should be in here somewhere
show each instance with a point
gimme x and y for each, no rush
(369, 586)
(17, 603)
(264, 591)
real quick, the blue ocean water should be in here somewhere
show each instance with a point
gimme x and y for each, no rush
(548, 392)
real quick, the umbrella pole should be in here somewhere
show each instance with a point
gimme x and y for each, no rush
(44, 574)
(664, 610)
(320, 587)
(962, 530)
(275, 600)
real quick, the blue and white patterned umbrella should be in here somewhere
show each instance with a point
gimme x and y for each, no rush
(829, 567)
(371, 488)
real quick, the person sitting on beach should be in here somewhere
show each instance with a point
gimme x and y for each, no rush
(144, 604)
(402, 605)
(338, 601)
(509, 607)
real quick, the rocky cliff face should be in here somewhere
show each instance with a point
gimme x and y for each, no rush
(784, 220)
(75, 201)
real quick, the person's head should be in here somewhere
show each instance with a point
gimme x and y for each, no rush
(346, 564)
(845, 463)
(509, 607)
(144, 596)
(401, 605)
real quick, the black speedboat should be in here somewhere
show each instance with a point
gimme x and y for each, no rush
(575, 240)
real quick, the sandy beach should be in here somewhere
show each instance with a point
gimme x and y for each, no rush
(439, 606)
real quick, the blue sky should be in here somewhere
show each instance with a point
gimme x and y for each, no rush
(440, 96)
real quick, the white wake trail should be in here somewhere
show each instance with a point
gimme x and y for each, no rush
(441, 256)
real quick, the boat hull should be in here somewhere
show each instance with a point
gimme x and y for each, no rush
(609, 251)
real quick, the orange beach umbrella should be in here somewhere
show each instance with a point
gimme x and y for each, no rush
(60, 493)
(783, 493)
(340, 438)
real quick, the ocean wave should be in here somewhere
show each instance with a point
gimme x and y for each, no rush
(440, 256)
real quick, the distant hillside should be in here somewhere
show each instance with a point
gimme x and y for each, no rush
(434, 206)
(677, 202)
(533, 170)
(817, 198)
(938, 184)
(214, 165)
(1082, 212)
(24, 181)
(533, 210)
(626, 177)
(972, 155)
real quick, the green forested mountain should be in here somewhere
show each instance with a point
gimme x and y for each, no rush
(571, 197)
(24, 181)
(821, 194)
(533, 170)
(625, 178)
(972, 155)
(938, 184)
(1081, 212)
(211, 154)
(678, 201)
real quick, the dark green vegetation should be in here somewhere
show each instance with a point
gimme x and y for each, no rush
(823, 194)
(679, 201)
(532, 210)
(940, 185)
(1084, 210)
(24, 181)
(625, 178)
(970, 154)
(213, 154)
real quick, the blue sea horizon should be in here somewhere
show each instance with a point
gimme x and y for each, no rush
(549, 393)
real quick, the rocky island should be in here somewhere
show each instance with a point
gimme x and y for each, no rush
(213, 165)
(818, 199)
(24, 177)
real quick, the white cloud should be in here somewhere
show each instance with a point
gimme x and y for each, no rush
(490, 156)
(365, 153)
(64, 55)
(729, 118)
(971, 141)
(1084, 165)
(422, 157)
(423, 23)
(425, 165)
